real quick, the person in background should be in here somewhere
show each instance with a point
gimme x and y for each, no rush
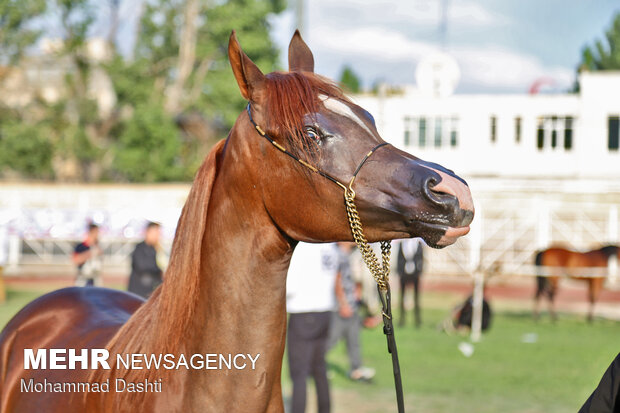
(88, 258)
(346, 321)
(409, 267)
(606, 396)
(309, 302)
(146, 275)
(462, 315)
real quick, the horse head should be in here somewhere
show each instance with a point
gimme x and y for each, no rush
(397, 194)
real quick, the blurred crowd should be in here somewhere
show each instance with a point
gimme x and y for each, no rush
(148, 261)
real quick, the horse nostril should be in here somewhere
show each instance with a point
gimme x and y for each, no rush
(438, 197)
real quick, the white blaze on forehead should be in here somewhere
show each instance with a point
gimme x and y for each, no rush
(341, 108)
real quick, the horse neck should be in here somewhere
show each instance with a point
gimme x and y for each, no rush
(241, 307)
(243, 280)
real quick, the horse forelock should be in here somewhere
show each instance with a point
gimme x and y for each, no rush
(289, 98)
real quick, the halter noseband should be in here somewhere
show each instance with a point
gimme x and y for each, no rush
(379, 271)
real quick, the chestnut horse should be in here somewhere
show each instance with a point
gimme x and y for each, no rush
(224, 289)
(570, 263)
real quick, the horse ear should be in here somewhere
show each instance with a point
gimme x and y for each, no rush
(299, 55)
(249, 77)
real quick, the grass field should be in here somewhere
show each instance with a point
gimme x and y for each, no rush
(554, 374)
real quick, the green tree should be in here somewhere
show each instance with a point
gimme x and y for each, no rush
(175, 35)
(349, 81)
(25, 149)
(148, 147)
(15, 31)
(175, 94)
(604, 54)
(181, 65)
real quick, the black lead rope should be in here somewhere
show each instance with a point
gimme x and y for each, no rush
(384, 295)
(388, 330)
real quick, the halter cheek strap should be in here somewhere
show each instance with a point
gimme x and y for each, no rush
(306, 164)
(379, 271)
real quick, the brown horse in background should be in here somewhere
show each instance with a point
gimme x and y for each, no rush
(225, 288)
(572, 264)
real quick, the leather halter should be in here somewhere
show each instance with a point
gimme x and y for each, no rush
(380, 273)
(306, 164)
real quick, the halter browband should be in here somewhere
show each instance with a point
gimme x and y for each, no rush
(379, 271)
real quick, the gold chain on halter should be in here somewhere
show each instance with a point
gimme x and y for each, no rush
(380, 272)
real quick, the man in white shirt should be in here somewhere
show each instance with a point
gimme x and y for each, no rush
(309, 302)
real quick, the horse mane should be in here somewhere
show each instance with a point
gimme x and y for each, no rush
(162, 322)
(289, 97)
(610, 250)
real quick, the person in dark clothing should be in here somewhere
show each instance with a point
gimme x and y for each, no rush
(146, 275)
(310, 299)
(307, 342)
(409, 266)
(87, 256)
(606, 397)
(463, 315)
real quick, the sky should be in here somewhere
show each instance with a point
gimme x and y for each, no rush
(501, 46)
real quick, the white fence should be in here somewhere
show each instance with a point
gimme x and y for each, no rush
(507, 233)
(514, 219)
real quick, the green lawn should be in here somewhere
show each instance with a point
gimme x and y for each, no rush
(15, 300)
(554, 374)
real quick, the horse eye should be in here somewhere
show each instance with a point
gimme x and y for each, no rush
(313, 134)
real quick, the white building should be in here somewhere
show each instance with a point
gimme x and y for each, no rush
(544, 169)
(517, 136)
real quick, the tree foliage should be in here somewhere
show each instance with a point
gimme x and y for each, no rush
(26, 148)
(349, 80)
(604, 54)
(145, 150)
(16, 33)
(174, 92)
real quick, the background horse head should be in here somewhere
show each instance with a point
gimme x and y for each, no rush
(225, 287)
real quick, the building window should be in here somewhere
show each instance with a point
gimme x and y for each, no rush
(407, 137)
(493, 129)
(436, 132)
(422, 132)
(613, 133)
(540, 133)
(568, 133)
(518, 129)
(554, 132)
(454, 134)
